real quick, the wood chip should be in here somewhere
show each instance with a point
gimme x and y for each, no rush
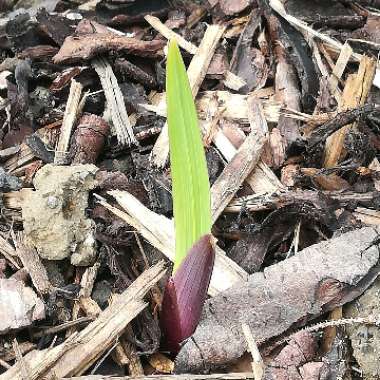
(339, 68)
(85, 302)
(37, 272)
(233, 106)
(80, 351)
(235, 172)
(20, 360)
(367, 216)
(9, 252)
(233, 81)
(115, 103)
(257, 361)
(169, 34)
(25, 155)
(69, 119)
(355, 94)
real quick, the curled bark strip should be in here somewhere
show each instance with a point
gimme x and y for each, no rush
(319, 278)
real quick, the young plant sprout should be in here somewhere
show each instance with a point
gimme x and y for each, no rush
(186, 290)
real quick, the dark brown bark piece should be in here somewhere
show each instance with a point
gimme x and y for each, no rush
(54, 26)
(322, 180)
(301, 57)
(87, 26)
(229, 7)
(89, 139)
(370, 31)
(310, 8)
(299, 54)
(336, 22)
(249, 252)
(64, 78)
(21, 32)
(247, 62)
(134, 73)
(39, 148)
(321, 133)
(133, 12)
(21, 117)
(112, 179)
(285, 295)
(86, 47)
(286, 83)
(39, 52)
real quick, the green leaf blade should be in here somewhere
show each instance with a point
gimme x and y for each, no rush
(191, 187)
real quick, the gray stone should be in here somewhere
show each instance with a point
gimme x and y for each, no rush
(54, 215)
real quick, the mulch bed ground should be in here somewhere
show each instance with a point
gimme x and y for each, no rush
(287, 95)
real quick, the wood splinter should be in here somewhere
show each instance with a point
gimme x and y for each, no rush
(81, 350)
(69, 118)
(355, 94)
(258, 367)
(115, 108)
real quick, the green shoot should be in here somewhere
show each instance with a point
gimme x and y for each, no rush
(191, 187)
